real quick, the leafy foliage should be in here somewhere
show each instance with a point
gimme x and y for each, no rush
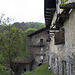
(30, 30)
(64, 0)
(2, 70)
(42, 25)
(63, 4)
(13, 40)
(27, 25)
(10, 42)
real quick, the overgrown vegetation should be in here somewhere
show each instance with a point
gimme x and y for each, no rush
(3, 71)
(41, 70)
(13, 41)
(30, 30)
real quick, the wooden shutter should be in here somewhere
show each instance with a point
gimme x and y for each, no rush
(59, 38)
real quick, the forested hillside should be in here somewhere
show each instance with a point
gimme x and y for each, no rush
(27, 25)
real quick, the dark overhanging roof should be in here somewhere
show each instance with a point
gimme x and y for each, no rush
(38, 31)
(49, 9)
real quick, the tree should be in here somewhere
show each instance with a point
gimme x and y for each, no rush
(30, 30)
(11, 43)
(42, 25)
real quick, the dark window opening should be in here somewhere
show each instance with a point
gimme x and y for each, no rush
(64, 69)
(40, 64)
(24, 69)
(41, 41)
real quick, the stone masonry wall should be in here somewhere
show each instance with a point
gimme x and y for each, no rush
(38, 51)
(62, 59)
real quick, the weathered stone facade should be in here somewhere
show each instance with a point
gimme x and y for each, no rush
(39, 47)
(62, 56)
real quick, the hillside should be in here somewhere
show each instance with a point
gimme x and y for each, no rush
(27, 25)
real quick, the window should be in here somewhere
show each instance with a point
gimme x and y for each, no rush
(41, 57)
(73, 69)
(41, 48)
(64, 69)
(41, 41)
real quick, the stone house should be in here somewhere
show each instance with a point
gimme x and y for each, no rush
(22, 65)
(61, 21)
(39, 47)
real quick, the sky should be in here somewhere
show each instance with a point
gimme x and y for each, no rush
(23, 10)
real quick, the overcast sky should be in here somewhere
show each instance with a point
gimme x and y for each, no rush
(23, 10)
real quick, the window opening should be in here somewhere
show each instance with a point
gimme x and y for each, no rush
(41, 41)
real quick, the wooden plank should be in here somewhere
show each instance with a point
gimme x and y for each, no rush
(58, 24)
(48, 18)
(50, 9)
(47, 12)
(49, 15)
(63, 15)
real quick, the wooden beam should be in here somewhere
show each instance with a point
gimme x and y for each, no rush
(50, 9)
(63, 15)
(58, 24)
(48, 18)
(54, 29)
(49, 15)
(47, 12)
(47, 22)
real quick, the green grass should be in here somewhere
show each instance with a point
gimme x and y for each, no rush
(41, 70)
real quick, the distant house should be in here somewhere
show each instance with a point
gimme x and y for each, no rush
(39, 47)
(22, 65)
(61, 21)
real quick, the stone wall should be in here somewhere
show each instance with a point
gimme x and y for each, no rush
(37, 51)
(62, 57)
(69, 26)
